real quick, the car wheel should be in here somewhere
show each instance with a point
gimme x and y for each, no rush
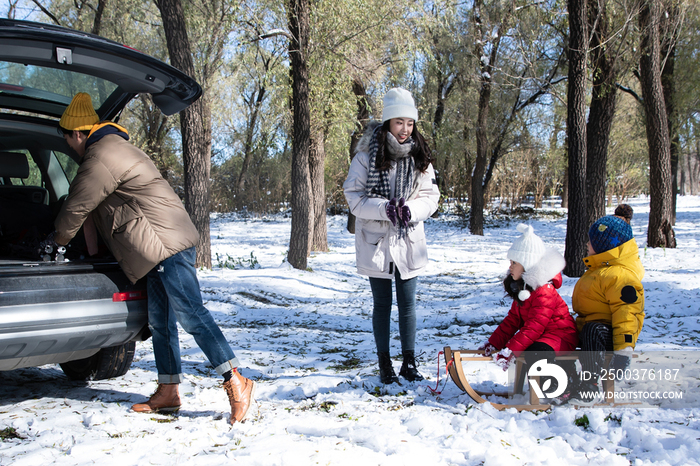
(105, 364)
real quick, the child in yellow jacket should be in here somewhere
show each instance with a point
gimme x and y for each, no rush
(609, 298)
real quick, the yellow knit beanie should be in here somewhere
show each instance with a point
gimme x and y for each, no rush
(79, 115)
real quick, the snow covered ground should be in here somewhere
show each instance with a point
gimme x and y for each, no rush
(305, 336)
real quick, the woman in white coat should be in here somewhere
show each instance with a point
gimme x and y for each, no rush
(391, 189)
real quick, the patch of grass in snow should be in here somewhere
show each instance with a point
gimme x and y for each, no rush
(381, 391)
(262, 299)
(325, 406)
(230, 262)
(163, 420)
(307, 369)
(9, 433)
(346, 365)
(326, 350)
(243, 323)
(582, 422)
(472, 324)
(400, 405)
(498, 217)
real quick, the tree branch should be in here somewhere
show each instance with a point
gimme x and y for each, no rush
(274, 33)
(47, 12)
(637, 97)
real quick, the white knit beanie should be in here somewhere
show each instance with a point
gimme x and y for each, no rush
(527, 249)
(398, 103)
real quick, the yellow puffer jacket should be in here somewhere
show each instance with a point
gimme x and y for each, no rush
(611, 292)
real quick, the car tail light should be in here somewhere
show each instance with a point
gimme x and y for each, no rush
(129, 296)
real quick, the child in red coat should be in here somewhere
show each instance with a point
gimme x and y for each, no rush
(538, 322)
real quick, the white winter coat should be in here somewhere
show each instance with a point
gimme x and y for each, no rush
(378, 249)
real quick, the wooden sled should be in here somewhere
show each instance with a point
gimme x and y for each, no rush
(455, 359)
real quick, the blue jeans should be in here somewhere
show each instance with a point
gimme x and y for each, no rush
(174, 296)
(381, 315)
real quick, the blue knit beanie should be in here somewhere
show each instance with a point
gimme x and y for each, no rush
(608, 233)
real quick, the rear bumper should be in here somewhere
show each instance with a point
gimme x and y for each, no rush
(60, 317)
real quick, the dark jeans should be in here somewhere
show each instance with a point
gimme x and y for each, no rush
(381, 314)
(174, 296)
(537, 351)
(596, 340)
(534, 353)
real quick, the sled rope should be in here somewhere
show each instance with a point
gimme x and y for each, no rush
(447, 368)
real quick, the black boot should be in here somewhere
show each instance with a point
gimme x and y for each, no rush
(408, 368)
(386, 370)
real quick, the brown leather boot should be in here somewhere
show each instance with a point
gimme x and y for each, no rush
(240, 393)
(166, 399)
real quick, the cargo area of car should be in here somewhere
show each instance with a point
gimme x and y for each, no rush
(80, 311)
(32, 187)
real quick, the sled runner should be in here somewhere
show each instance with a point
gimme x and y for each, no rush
(456, 359)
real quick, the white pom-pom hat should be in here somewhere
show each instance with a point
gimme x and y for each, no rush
(528, 249)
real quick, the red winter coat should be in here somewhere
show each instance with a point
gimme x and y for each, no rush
(543, 317)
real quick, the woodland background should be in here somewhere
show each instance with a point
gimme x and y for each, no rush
(593, 101)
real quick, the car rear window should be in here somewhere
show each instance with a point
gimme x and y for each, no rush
(52, 84)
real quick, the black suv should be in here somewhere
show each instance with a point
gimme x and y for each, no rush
(82, 312)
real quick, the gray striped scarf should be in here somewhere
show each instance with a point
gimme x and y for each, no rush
(378, 181)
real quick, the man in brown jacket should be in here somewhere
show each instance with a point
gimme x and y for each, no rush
(144, 224)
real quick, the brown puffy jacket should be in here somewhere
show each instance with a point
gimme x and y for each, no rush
(137, 213)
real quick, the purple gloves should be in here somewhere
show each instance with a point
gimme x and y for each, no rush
(403, 211)
(398, 211)
(391, 211)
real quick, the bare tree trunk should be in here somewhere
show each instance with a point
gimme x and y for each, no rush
(577, 220)
(363, 110)
(445, 86)
(682, 166)
(601, 112)
(468, 158)
(694, 170)
(476, 213)
(155, 126)
(660, 232)
(441, 162)
(317, 161)
(302, 214)
(565, 191)
(196, 130)
(668, 83)
(255, 103)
